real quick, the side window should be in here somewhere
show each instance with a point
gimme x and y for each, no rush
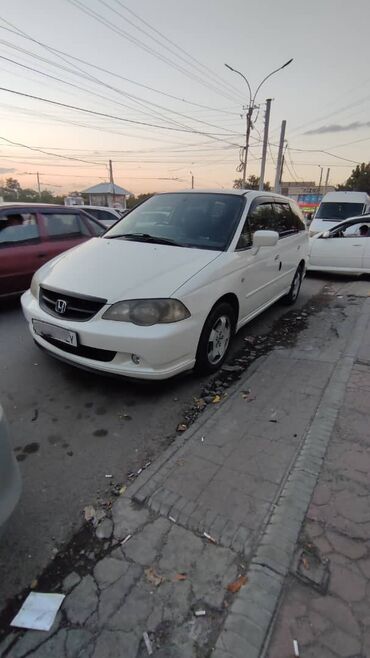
(284, 219)
(18, 228)
(260, 218)
(64, 225)
(298, 218)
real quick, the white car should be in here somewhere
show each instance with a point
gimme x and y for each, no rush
(164, 291)
(106, 216)
(344, 248)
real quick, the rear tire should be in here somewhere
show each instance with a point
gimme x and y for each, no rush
(293, 293)
(215, 339)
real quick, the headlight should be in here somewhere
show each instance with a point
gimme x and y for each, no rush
(34, 287)
(147, 312)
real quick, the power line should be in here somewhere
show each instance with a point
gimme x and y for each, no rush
(197, 64)
(66, 82)
(62, 54)
(126, 35)
(54, 155)
(112, 116)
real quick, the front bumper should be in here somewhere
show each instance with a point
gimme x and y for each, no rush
(163, 350)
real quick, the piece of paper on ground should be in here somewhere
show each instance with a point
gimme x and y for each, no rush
(38, 611)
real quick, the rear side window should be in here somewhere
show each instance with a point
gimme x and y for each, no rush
(260, 218)
(287, 221)
(64, 225)
(18, 228)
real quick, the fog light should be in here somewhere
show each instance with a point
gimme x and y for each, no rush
(135, 359)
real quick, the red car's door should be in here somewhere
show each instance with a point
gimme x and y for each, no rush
(21, 250)
(63, 230)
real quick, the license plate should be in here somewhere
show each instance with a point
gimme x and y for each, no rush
(47, 330)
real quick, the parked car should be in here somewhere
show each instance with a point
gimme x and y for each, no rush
(106, 216)
(32, 234)
(10, 479)
(344, 248)
(158, 295)
(336, 207)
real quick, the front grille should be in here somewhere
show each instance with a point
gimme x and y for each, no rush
(83, 350)
(77, 307)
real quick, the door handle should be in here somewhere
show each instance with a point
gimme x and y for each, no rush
(41, 255)
(357, 245)
(277, 257)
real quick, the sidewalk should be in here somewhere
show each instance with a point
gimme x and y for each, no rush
(336, 535)
(228, 498)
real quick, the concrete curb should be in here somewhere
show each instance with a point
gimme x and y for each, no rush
(247, 629)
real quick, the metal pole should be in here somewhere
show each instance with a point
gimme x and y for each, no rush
(247, 135)
(265, 143)
(280, 157)
(327, 179)
(111, 180)
(319, 190)
(192, 182)
(38, 184)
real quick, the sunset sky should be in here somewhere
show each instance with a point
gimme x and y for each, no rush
(161, 63)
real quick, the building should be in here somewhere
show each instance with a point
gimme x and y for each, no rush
(305, 193)
(107, 194)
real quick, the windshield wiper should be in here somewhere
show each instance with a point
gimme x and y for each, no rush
(146, 237)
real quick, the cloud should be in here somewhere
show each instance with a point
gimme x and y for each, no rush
(338, 128)
(7, 171)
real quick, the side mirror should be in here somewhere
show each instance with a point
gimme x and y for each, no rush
(265, 238)
(326, 234)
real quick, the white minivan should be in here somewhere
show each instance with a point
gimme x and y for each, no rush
(336, 207)
(165, 289)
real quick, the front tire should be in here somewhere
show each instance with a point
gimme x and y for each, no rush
(293, 293)
(215, 339)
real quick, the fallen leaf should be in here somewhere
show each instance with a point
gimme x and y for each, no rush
(237, 584)
(200, 403)
(182, 427)
(153, 577)
(181, 576)
(122, 489)
(216, 399)
(305, 563)
(89, 512)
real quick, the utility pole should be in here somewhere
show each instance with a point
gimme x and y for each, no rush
(265, 143)
(111, 180)
(279, 163)
(192, 180)
(38, 183)
(319, 188)
(250, 109)
(246, 148)
(327, 179)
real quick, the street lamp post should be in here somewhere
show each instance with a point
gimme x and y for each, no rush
(251, 108)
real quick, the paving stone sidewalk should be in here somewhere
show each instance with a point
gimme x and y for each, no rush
(337, 530)
(225, 479)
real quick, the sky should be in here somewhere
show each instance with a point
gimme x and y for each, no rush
(160, 102)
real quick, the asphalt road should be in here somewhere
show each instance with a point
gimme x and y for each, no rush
(71, 428)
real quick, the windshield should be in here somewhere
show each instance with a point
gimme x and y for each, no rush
(337, 211)
(197, 220)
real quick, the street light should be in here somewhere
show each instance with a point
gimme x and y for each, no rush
(251, 108)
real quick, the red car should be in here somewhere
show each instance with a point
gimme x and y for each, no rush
(31, 234)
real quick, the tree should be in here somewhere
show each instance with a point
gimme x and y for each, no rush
(12, 191)
(134, 200)
(252, 183)
(359, 180)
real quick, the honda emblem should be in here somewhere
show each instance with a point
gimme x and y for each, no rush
(60, 306)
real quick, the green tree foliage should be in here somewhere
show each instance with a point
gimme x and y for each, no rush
(252, 183)
(134, 200)
(359, 180)
(11, 190)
